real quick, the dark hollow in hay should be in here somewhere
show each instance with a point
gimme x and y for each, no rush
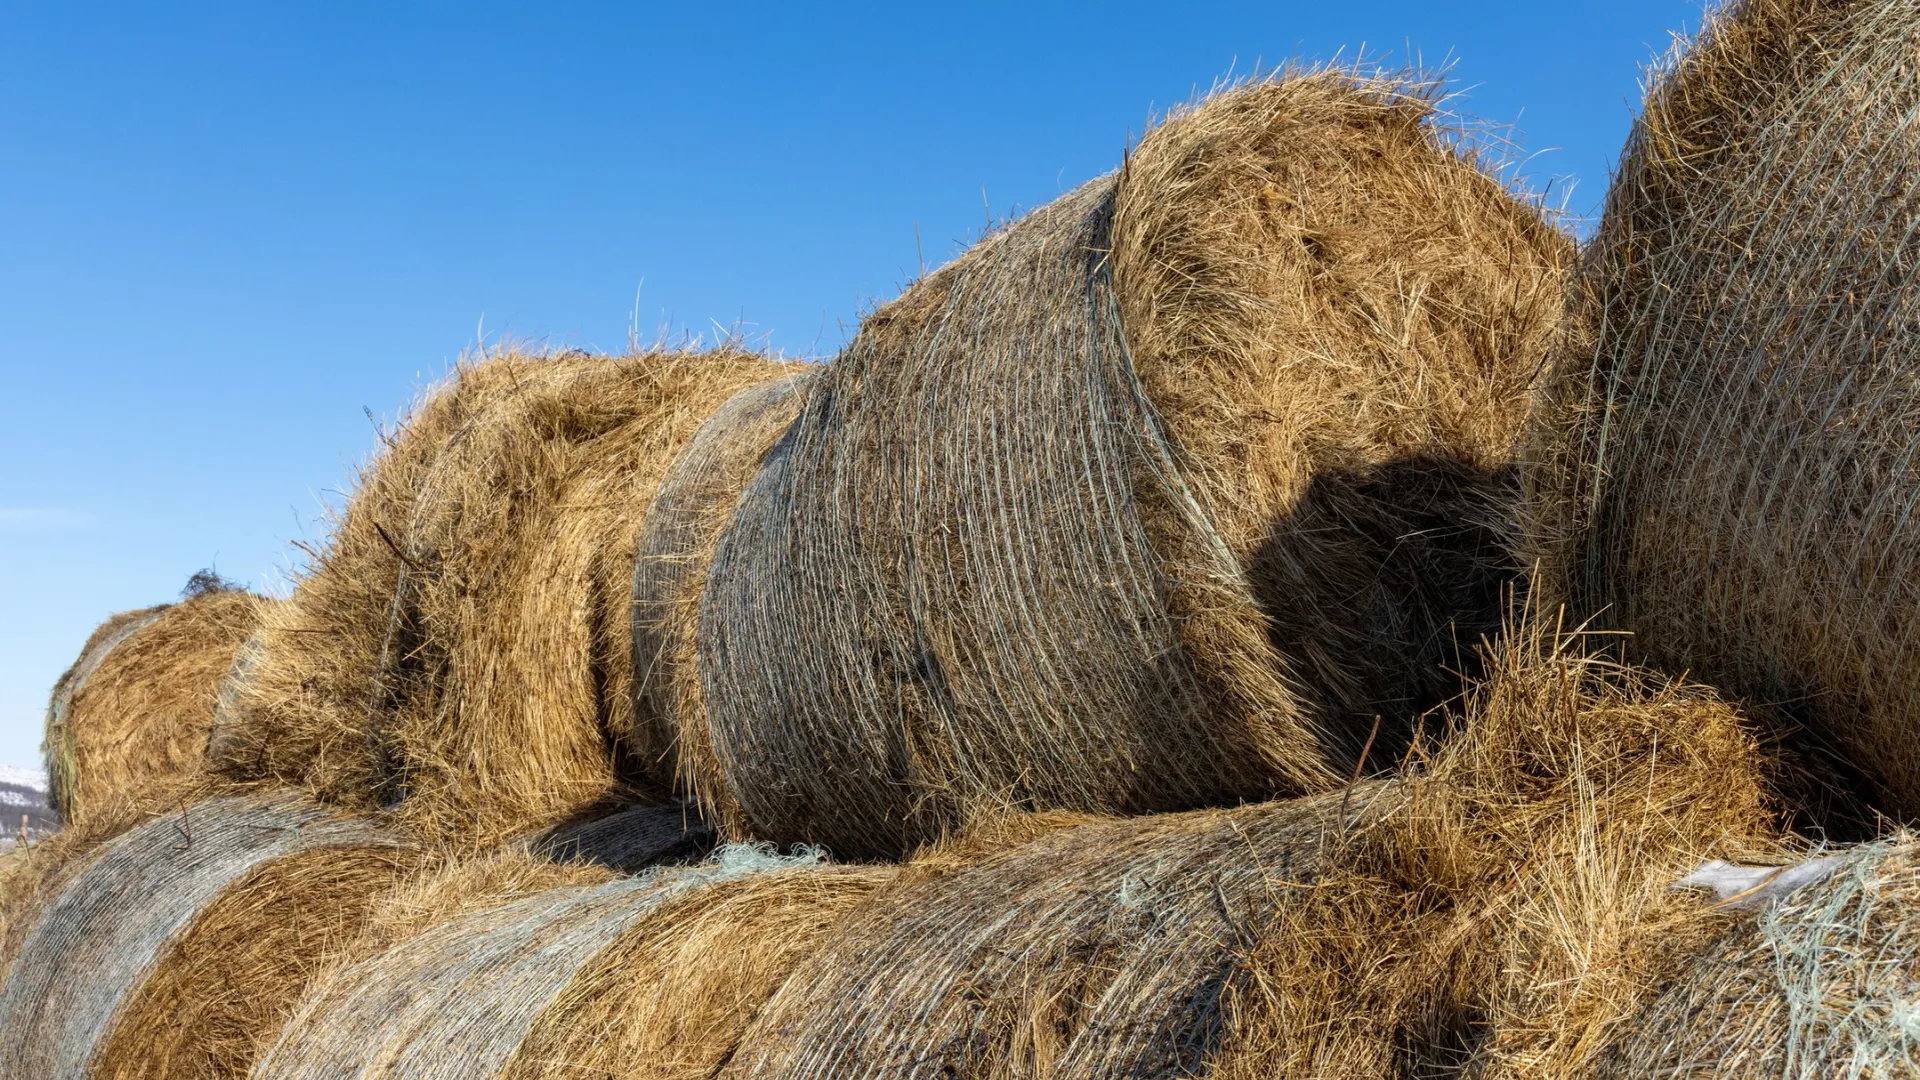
(1820, 984)
(136, 706)
(1154, 499)
(1724, 462)
(1097, 950)
(628, 840)
(461, 648)
(171, 950)
(462, 997)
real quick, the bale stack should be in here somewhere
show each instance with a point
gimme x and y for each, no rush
(461, 649)
(1155, 498)
(648, 976)
(1724, 463)
(136, 707)
(174, 949)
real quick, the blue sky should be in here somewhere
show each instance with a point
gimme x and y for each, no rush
(226, 232)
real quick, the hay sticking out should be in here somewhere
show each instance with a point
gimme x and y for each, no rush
(136, 706)
(1823, 983)
(1100, 517)
(460, 998)
(462, 646)
(1724, 460)
(1096, 950)
(171, 950)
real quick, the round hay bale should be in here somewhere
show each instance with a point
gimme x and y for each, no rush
(137, 705)
(555, 982)
(1821, 984)
(1154, 499)
(175, 950)
(1100, 949)
(1724, 459)
(461, 649)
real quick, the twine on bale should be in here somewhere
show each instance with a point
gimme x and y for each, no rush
(1724, 463)
(1824, 983)
(677, 536)
(460, 651)
(1094, 519)
(461, 998)
(171, 949)
(135, 708)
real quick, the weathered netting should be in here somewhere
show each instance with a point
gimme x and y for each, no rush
(1727, 468)
(113, 918)
(630, 840)
(1100, 950)
(675, 545)
(458, 1000)
(942, 590)
(1824, 984)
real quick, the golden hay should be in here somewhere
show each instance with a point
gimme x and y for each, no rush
(137, 704)
(1723, 461)
(537, 984)
(1505, 908)
(462, 648)
(1156, 498)
(1819, 985)
(173, 950)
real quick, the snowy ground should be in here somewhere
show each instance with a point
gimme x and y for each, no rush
(23, 805)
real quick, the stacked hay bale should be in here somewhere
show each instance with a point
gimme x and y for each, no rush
(1724, 464)
(1820, 984)
(135, 708)
(1508, 907)
(1159, 497)
(649, 976)
(174, 949)
(461, 648)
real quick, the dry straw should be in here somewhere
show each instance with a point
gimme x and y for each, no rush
(1822, 985)
(1155, 498)
(649, 976)
(136, 706)
(172, 950)
(1725, 462)
(1504, 909)
(461, 649)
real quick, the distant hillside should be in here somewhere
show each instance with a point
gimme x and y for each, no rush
(23, 805)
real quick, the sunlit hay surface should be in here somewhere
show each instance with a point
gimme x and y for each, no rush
(460, 996)
(1725, 457)
(1153, 499)
(1097, 949)
(136, 706)
(1513, 910)
(672, 997)
(461, 648)
(177, 949)
(1822, 984)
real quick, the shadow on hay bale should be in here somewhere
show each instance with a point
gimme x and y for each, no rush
(1504, 908)
(460, 649)
(650, 976)
(171, 950)
(1724, 463)
(1821, 984)
(137, 705)
(1156, 498)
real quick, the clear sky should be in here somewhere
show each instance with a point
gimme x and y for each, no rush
(229, 231)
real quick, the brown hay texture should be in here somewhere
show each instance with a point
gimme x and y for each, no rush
(136, 706)
(1821, 985)
(1504, 908)
(624, 977)
(461, 649)
(1724, 463)
(173, 949)
(1153, 499)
